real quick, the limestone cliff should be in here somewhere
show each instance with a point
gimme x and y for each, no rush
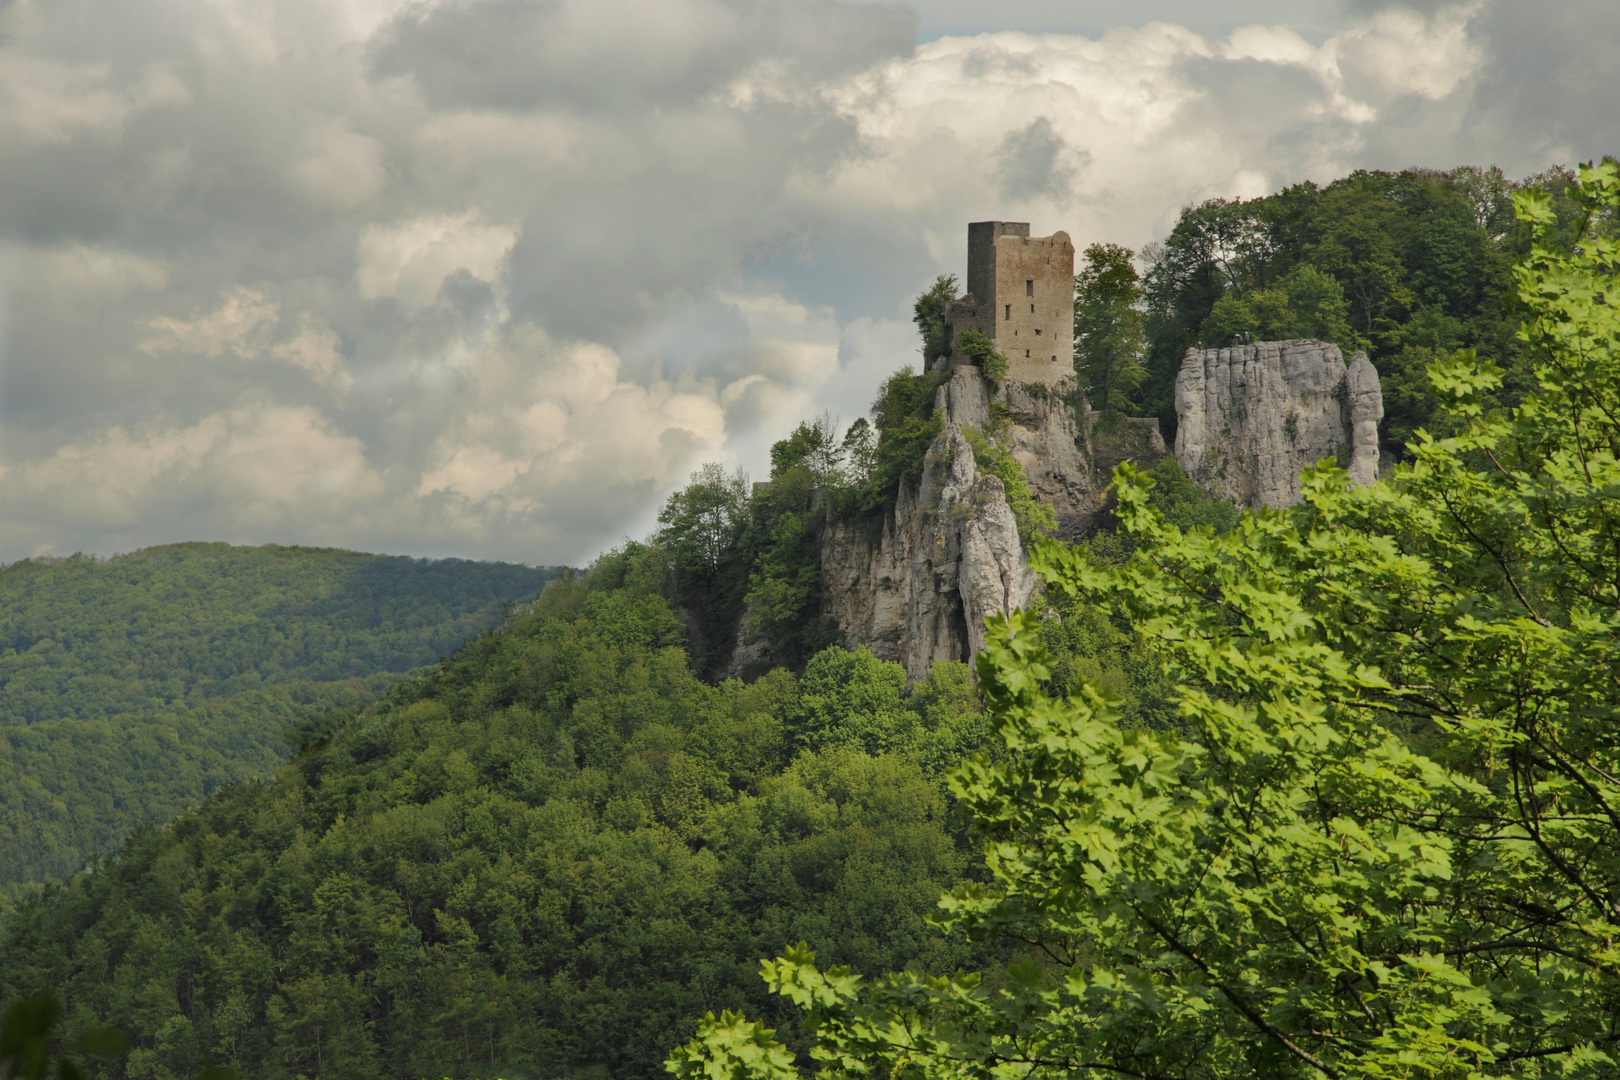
(917, 588)
(915, 584)
(1252, 417)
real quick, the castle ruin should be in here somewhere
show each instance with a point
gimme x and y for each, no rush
(1020, 296)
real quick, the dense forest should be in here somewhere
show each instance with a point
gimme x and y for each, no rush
(553, 852)
(549, 855)
(134, 685)
(1382, 837)
(1410, 266)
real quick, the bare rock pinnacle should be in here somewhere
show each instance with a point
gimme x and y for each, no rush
(1252, 417)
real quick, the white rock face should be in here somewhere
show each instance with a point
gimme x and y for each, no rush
(1251, 418)
(1044, 437)
(918, 588)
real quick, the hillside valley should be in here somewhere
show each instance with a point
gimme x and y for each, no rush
(135, 685)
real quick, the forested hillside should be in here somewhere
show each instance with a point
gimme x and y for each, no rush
(133, 685)
(551, 855)
(554, 852)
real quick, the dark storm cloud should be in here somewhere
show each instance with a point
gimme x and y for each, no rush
(528, 54)
(1373, 7)
(1269, 102)
(1548, 81)
(1034, 161)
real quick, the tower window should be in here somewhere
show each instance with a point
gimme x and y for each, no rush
(1032, 309)
(1029, 287)
(1037, 332)
(1009, 312)
(1026, 354)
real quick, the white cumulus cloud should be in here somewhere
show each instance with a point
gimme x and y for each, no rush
(490, 278)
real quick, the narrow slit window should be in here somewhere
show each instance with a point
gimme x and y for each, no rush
(1026, 354)
(1009, 312)
(1029, 287)
(1032, 309)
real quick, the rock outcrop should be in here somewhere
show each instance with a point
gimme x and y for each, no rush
(1042, 435)
(1252, 417)
(915, 585)
(917, 588)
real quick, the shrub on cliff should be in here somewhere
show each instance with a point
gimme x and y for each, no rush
(929, 315)
(1034, 517)
(984, 355)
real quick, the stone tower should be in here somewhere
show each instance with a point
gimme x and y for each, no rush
(1020, 296)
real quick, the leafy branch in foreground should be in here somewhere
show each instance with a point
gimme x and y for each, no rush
(27, 1046)
(1385, 840)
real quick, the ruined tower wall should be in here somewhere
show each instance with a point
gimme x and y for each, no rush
(1034, 313)
(981, 264)
(1021, 296)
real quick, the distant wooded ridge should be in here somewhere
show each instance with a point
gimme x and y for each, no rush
(132, 685)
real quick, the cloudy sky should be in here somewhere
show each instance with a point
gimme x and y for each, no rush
(490, 277)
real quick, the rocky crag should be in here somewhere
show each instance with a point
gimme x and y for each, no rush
(1252, 417)
(918, 588)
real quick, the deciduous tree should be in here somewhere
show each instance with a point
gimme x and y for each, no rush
(700, 521)
(1108, 325)
(1385, 840)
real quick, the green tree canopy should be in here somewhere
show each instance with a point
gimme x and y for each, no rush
(1422, 260)
(1383, 841)
(700, 521)
(547, 857)
(134, 685)
(1305, 303)
(929, 315)
(1108, 325)
(813, 445)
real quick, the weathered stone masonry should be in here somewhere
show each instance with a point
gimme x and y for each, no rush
(917, 587)
(1021, 296)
